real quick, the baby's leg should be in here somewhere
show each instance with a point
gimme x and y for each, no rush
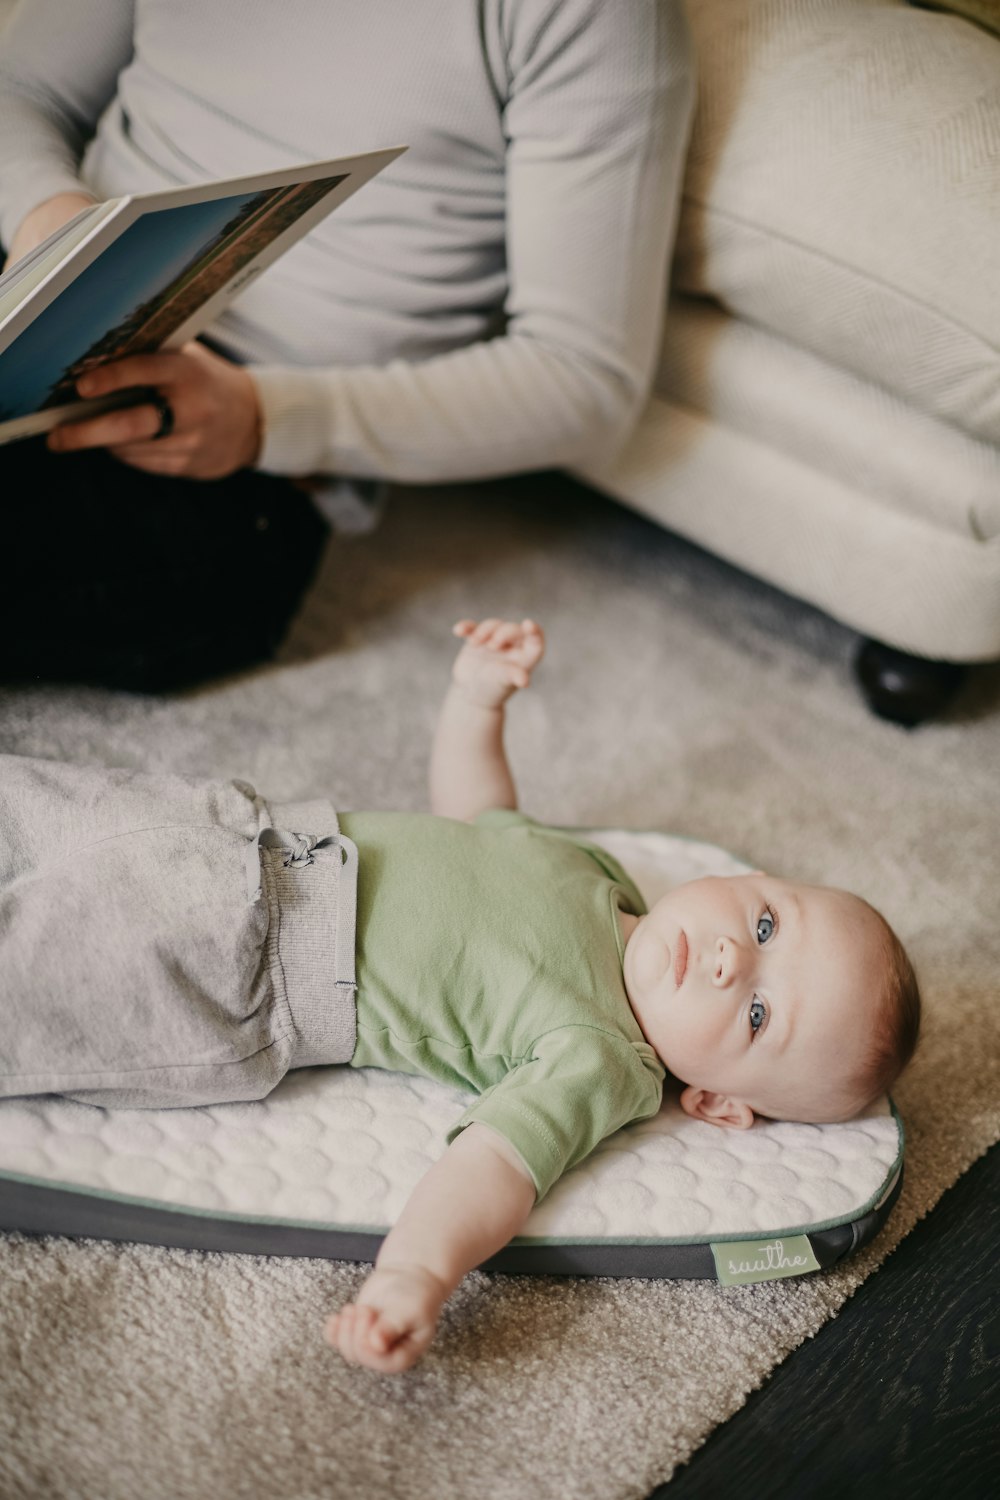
(152, 954)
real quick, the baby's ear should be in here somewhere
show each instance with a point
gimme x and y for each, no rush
(717, 1109)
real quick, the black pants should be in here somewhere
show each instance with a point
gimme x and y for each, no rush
(129, 580)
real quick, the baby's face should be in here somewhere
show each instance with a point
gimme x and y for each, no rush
(758, 991)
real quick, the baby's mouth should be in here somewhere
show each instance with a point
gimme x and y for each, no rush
(680, 959)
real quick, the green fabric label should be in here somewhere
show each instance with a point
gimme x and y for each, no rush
(739, 1262)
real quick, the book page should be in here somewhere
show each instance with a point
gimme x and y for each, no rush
(30, 271)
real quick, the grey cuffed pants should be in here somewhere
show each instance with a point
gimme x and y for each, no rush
(166, 941)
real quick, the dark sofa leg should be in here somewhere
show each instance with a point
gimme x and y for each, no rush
(906, 689)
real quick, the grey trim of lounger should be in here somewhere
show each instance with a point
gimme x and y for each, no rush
(28, 1208)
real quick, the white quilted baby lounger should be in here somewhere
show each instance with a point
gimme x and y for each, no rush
(323, 1166)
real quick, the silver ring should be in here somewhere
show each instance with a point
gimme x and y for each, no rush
(166, 411)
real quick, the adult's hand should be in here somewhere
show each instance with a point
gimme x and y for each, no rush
(217, 421)
(45, 220)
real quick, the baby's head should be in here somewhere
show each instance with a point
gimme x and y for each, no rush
(796, 1002)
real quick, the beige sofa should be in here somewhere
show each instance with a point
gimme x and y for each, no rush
(827, 410)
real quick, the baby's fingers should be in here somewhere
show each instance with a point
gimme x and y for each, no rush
(492, 633)
(344, 1327)
(485, 631)
(531, 643)
(363, 1336)
(502, 635)
(392, 1349)
(350, 1332)
(383, 1335)
(509, 635)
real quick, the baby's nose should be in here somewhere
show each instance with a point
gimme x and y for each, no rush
(729, 962)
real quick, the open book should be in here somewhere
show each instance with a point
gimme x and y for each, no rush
(148, 271)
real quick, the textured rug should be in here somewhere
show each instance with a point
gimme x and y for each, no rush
(677, 694)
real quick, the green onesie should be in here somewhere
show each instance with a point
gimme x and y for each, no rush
(489, 956)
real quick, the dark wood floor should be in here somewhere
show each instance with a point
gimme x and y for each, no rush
(899, 1396)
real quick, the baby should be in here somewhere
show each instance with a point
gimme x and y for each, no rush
(164, 943)
(762, 996)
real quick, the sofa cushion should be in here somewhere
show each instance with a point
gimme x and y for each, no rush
(843, 191)
(882, 570)
(754, 382)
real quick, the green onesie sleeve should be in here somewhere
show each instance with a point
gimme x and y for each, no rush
(581, 1085)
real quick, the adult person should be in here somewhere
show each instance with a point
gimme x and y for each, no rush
(488, 305)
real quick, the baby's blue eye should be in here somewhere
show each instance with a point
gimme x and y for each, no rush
(765, 927)
(758, 1014)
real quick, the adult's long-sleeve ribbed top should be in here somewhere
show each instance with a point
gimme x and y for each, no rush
(491, 303)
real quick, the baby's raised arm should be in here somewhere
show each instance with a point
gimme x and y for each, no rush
(464, 1209)
(469, 772)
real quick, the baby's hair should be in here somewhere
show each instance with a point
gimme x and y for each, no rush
(897, 1015)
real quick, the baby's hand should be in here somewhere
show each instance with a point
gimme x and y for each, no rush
(498, 657)
(392, 1323)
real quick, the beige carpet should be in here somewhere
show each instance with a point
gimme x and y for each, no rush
(677, 695)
